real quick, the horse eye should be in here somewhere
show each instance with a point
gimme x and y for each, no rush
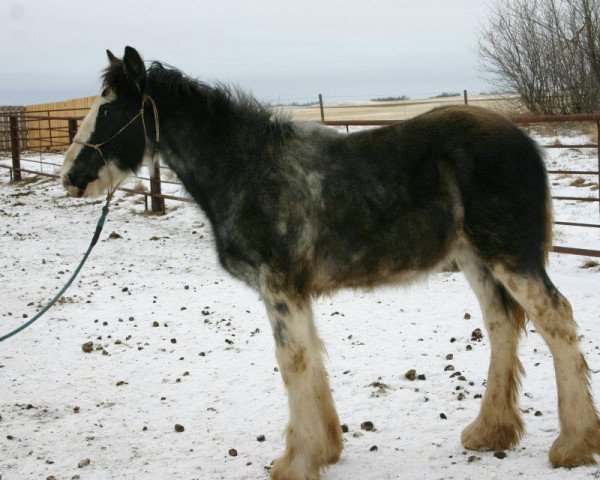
(105, 113)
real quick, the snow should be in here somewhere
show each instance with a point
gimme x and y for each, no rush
(59, 405)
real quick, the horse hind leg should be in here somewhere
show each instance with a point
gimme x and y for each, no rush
(314, 435)
(552, 316)
(498, 425)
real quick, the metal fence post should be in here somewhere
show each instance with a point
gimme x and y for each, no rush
(157, 202)
(598, 148)
(321, 107)
(15, 147)
(50, 141)
(72, 129)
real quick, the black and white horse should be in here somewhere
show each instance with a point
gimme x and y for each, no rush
(299, 210)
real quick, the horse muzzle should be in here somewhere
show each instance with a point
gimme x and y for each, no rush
(72, 190)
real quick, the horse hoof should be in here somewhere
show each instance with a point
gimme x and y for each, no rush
(286, 468)
(567, 451)
(482, 436)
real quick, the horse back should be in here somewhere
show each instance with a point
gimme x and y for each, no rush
(391, 203)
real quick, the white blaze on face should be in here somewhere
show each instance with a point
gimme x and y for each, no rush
(108, 175)
(84, 134)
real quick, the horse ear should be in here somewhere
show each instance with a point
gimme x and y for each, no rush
(135, 68)
(111, 57)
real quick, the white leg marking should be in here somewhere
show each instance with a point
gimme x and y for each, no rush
(498, 425)
(313, 437)
(552, 316)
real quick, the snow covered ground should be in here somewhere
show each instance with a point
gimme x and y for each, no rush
(177, 341)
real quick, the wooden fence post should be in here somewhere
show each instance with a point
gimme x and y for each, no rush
(15, 147)
(465, 95)
(157, 202)
(72, 129)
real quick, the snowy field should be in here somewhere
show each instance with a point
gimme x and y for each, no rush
(176, 341)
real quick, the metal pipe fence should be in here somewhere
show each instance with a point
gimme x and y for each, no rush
(64, 128)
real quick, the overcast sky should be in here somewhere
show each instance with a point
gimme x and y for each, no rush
(279, 50)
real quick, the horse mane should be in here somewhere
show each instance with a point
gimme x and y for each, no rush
(219, 99)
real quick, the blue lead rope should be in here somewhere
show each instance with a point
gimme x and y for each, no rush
(95, 238)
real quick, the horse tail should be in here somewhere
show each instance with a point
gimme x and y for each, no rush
(549, 213)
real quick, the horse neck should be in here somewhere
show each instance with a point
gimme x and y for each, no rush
(208, 148)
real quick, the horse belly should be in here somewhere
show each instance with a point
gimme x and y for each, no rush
(372, 249)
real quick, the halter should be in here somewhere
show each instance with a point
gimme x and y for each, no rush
(96, 146)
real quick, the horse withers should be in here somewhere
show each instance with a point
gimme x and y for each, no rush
(299, 210)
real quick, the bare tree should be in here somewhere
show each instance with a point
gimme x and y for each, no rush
(548, 51)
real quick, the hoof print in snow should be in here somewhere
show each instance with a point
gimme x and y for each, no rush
(380, 388)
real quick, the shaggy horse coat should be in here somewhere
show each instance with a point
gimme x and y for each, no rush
(300, 210)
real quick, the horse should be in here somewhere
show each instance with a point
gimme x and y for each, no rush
(299, 210)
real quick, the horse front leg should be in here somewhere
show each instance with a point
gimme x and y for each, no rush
(313, 437)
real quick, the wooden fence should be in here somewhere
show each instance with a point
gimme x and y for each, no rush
(42, 127)
(44, 131)
(68, 108)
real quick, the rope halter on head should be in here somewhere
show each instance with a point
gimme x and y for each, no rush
(97, 146)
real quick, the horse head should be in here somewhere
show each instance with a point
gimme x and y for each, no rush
(111, 141)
